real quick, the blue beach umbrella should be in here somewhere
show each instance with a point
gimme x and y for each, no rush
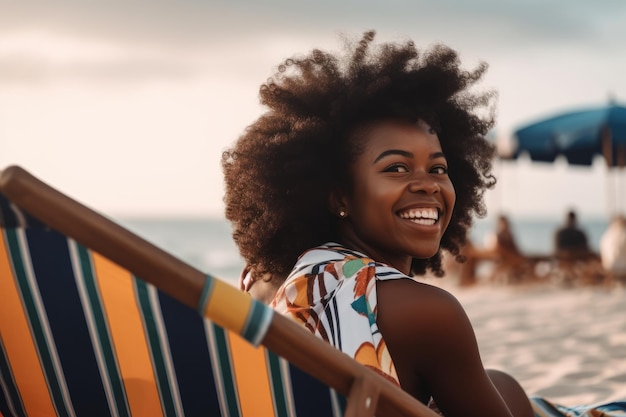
(578, 135)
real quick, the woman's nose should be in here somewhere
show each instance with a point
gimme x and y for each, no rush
(423, 183)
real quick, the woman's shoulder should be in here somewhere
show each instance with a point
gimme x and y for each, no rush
(422, 293)
(421, 308)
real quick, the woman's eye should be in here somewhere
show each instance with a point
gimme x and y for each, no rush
(396, 168)
(440, 169)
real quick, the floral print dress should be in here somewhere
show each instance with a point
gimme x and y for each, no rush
(332, 292)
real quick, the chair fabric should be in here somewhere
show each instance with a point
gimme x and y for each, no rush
(82, 336)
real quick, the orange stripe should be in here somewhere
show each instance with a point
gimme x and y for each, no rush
(20, 346)
(228, 307)
(118, 297)
(255, 395)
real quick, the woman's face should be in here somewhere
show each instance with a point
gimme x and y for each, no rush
(401, 199)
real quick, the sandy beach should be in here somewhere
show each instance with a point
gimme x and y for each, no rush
(565, 344)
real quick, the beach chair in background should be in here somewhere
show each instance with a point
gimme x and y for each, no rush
(95, 321)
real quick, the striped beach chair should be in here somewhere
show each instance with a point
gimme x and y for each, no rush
(95, 321)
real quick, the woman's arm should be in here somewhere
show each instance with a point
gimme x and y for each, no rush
(434, 348)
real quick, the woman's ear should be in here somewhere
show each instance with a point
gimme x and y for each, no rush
(337, 203)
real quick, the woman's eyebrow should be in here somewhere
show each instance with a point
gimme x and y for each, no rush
(436, 155)
(393, 152)
(406, 154)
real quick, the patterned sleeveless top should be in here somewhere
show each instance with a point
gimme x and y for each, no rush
(332, 292)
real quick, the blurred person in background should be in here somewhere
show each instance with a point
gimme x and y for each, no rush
(575, 262)
(570, 238)
(510, 265)
(613, 250)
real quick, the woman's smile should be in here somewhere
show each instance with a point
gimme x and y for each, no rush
(424, 216)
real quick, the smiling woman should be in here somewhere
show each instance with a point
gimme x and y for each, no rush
(348, 181)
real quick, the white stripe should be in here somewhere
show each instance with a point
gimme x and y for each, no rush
(334, 400)
(288, 387)
(215, 365)
(43, 318)
(91, 325)
(155, 307)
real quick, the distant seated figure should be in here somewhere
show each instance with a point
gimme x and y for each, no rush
(570, 239)
(510, 264)
(613, 250)
(505, 241)
(575, 260)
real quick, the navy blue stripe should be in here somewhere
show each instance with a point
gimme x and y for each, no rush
(55, 277)
(190, 355)
(311, 397)
(7, 216)
(389, 273)
(9, 385)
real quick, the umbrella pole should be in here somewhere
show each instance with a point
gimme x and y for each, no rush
(607, 152)
(612, 198)
(621, 163)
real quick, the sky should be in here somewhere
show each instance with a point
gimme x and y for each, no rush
(127, 106)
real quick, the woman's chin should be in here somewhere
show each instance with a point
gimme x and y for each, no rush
(425, 252)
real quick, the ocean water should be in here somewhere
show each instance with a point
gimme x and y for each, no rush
(206, 243)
